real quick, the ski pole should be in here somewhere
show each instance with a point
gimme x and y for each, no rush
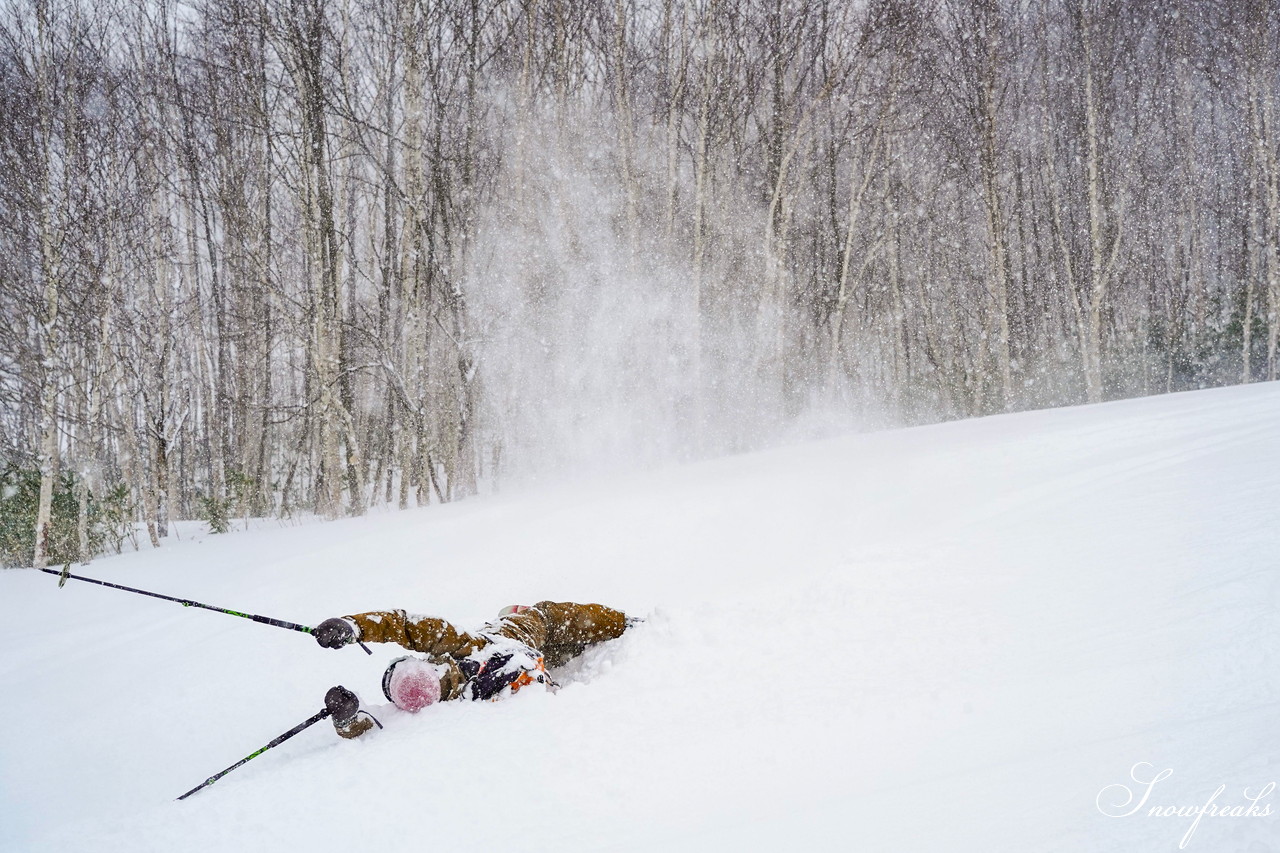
(279, 623)
(284, 737)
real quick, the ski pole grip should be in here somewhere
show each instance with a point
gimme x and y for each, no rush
(280, 623)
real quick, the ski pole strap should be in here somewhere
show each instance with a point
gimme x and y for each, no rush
(284, 737)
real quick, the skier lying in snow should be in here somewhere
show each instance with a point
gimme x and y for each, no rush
(499, 659)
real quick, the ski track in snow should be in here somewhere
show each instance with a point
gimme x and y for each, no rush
(941, 638)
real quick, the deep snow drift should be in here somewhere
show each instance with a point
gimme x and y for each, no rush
(944, 638)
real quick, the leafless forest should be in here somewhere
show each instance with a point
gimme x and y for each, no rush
(271, 256)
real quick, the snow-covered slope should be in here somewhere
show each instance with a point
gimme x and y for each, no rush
(945, 638)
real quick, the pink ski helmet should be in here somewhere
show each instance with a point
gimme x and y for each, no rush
(411, 683)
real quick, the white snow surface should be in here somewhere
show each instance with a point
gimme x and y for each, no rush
(952, 637)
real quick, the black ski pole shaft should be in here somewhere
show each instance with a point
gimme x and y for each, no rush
(186, 602)
(284, 737)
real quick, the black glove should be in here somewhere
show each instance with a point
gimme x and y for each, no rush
(334, 633)
(489, 679)
(343, 705)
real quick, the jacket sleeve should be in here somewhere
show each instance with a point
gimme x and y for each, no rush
(570, 624)
(562, 630)
(425, 634)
